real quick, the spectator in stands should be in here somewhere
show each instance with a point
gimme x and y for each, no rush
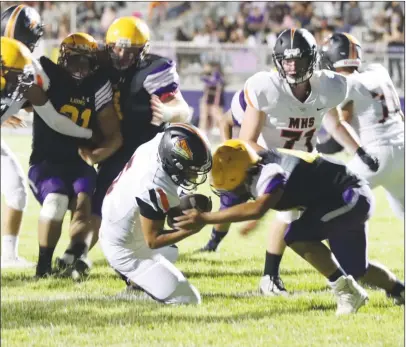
(353, 14)
(108, 17)
(52, 15)
(224, 29)
(158, 10)
(395, 40)
(302, 14)
(255, 21)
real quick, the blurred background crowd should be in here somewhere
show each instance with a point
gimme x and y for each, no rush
(229, 41)
(249, 22)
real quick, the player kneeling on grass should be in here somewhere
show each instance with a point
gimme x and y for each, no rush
(132, 234)
(336, 205)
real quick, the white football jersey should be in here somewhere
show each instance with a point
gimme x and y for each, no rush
(289, 122)
(377, 115)
(12, 107)
(144, 178)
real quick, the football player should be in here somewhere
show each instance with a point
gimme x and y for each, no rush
(372, 106)
(286, 107)
(335, 205)
(146, 94)
(59, 172)
(23, 82)
(132, 234)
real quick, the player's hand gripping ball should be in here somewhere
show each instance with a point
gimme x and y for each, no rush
(200, 202)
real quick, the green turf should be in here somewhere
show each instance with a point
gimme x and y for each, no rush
(62, 313)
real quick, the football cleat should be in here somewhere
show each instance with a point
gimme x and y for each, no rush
(272, 286)
(81, 268)
(16, 263)
(398, 300)
(62, 268)
(211, 246)
(350, 295)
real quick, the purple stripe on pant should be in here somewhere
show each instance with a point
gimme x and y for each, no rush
(69, 179)
(340, 219)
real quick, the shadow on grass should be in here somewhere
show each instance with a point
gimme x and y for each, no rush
(215, 273)
(87, 313)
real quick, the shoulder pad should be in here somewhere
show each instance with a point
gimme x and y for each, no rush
(260, 91)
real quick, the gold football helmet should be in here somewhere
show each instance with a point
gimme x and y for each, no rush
(231, 162)
(16, 69)
(127, 40)
(78, 54)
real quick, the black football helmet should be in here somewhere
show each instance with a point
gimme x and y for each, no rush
(185, 155)
(22, 23)
(340, 50)
(300, 45)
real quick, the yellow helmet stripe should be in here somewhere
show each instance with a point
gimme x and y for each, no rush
(10, 27)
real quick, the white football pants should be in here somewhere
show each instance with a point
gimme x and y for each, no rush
(150, 269)
(13, 184)
(391, 174)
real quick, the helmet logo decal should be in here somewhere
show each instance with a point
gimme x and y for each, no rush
(123, 42)
(181, 147)
(291, 53)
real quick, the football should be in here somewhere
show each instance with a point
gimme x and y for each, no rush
(200, 202)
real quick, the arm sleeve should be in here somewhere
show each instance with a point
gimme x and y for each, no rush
(163, 80)
(158, 201)
(272, 176)
(60, 123)
(148, 211)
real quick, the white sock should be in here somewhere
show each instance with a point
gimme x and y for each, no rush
(9, 246)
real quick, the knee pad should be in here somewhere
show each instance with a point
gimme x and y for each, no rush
(288, 216)
(54, 207)
(17, 198)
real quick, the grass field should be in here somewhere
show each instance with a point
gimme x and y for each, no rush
(93, 313)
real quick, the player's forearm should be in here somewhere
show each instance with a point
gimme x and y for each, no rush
(169, 237)
(345, 135)
(239, 213)
(60, 123)
(106, 149)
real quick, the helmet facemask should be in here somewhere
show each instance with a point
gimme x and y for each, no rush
(188, 178)
(124, 55)
(17, 82)
(303, 61)
(78, 62)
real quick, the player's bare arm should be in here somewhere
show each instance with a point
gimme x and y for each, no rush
(251, 126)
(226, 126)
(240, 213)
(341, 131)
(109, 126)
(347, 112)
(156, 237)
(345, 135)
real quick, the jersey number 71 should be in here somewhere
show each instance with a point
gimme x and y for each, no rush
(296, 135)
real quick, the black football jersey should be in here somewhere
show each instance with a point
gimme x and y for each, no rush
(132, 94)
(308, 178)
(79, 101)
